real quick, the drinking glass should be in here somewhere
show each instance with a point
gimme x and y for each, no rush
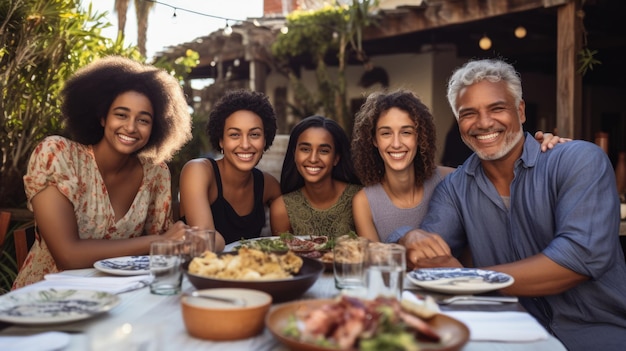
(386, 266)
(196, 242)
(165, 267)
(349, 261)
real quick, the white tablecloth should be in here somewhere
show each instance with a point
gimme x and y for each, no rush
(159, 318)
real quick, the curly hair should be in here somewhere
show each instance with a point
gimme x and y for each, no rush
(291, 179)
(237, 100)
(89, 93)
(368, 163)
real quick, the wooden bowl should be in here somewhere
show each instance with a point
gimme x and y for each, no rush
(220, 321)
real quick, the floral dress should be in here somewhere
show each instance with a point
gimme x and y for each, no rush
(71, 168)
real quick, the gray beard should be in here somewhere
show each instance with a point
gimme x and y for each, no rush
(509, 144)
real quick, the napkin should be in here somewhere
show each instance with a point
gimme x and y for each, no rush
(113, 285)
(500, 326)
(39, 342)
(428, 302)
(492, 326)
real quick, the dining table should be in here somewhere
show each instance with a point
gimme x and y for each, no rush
(158, 319)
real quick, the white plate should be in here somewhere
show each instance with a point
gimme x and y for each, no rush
(54, 306)
(126, 265)
(234, 244)
(459, 280)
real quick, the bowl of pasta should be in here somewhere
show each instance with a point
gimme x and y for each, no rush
(285, 276)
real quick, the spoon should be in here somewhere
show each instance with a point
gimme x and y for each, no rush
(233, 301)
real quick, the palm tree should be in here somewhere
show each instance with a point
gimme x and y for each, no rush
(121, 8)
(142, 9)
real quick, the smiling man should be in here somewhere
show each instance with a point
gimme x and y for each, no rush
(550, 220)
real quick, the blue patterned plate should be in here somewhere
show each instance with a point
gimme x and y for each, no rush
(127, 265)
(459, 280)
(54, 305)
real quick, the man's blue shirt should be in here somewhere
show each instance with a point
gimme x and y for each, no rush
(564, 204)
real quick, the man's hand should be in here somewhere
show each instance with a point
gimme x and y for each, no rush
(424, 249)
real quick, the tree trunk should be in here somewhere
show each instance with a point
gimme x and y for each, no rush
(142, 9)
(121, 8)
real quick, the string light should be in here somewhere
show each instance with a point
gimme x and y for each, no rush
(485, 42)
(228, 30)
(520, 32)
(190, 11)
(174, 19)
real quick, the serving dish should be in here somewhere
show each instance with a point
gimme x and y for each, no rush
(125, 265)
(454, 334)
(303, 252)
(459, 280)
(280, 289)
(230, 321)
(54, 306)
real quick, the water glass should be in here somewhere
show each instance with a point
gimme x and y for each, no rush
(165, 267)
(196, 242)
(386, 266)
(349, 262)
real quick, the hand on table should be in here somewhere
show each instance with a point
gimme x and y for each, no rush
(425, 250)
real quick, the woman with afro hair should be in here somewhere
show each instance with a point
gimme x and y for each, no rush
(105, 190)
(230, 194)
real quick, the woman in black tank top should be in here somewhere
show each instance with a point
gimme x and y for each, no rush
(230, 194)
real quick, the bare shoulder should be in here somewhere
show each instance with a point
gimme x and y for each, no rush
(197, 170)
(360, 198)
(278, 206)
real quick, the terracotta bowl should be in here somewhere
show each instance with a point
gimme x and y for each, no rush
(220, 321)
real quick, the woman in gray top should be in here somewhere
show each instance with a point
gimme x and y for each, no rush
(394, 156)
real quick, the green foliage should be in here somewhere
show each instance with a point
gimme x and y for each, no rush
(311, 37)
(42, 43)
(311, 33)
(587, 59)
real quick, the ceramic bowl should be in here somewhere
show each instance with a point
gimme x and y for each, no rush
(221, 321)
(281, 290)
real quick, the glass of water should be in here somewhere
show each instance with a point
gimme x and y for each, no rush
(349, 262)
(386, 266)
(165, 267)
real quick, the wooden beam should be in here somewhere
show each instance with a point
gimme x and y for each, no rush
(442, 13)
(569, 82)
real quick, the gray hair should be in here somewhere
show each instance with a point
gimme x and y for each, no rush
(476, 71)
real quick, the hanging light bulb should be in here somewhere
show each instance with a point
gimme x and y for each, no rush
(520, 32)
(485, 42)
(174, 18)
(228, 30)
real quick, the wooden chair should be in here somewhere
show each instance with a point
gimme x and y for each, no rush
(24, 237)
(5, 219)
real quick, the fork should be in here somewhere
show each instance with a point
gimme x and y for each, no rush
(499, 299)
